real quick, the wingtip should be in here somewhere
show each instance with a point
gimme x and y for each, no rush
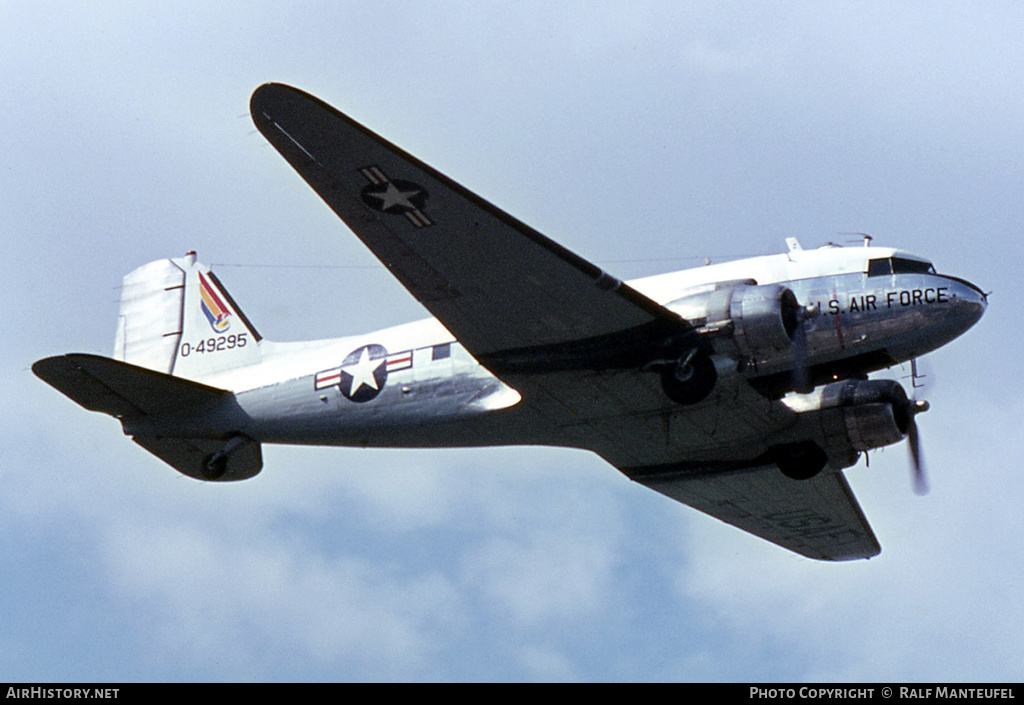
(48, 367)
(273, 85)
(267, 92)
(274, 99)
(273, 88)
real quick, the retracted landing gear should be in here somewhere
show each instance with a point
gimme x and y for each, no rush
(690, 379)
(215, 465)
(800, 461)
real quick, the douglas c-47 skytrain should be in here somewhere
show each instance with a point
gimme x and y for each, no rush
(740, 389)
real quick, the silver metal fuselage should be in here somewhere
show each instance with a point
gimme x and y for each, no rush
(422, 389)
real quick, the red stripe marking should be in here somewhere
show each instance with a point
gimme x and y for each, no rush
(212, 291)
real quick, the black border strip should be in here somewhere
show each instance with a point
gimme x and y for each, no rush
(237, 309)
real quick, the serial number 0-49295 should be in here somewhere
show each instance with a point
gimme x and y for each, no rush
(216, 344)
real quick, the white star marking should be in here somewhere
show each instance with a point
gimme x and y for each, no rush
(362, 372)
(396, 197)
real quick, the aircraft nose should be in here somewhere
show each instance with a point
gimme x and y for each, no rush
(968, 303)
(973, 299)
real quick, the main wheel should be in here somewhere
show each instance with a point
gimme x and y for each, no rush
(215, 465)
(691, 379)
(800, 461)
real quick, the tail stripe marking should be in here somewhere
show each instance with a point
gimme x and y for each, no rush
(215, 310)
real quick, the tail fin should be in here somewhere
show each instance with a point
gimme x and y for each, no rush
(177, 318)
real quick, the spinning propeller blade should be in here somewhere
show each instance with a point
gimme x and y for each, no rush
(914, 443)
(801, 372)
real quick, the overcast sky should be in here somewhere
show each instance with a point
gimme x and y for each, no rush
(643, 136)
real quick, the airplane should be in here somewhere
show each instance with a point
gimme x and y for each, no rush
(739, 388)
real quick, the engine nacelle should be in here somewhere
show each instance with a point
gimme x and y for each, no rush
(870, 413)
(876, 412)
(762, 319)
(854, 416)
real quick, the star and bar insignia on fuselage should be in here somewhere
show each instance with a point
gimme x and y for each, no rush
(395, 197)
(363, 374)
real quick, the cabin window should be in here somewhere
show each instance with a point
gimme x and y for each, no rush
(442, 351)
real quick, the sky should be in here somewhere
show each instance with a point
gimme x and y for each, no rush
(643, 136)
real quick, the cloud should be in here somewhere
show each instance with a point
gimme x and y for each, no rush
(234, 601)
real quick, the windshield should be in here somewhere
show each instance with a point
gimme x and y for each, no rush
(898, 265)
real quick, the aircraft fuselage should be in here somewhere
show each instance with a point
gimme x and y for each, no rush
(414, 385)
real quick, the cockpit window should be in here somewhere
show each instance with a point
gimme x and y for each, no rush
(898, 265)
(878, 267)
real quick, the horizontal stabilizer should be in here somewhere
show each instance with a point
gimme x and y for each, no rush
(130, 392)
(121, 389)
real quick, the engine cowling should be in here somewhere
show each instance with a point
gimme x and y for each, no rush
(761, 319)
(854, 416)
(876, 413)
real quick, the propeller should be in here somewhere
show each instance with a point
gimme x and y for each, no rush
(914, 443)
(916, 406)
(905, 409)
(801, 372)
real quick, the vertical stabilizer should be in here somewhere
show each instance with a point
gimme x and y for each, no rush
(176, 317)
(149, 322)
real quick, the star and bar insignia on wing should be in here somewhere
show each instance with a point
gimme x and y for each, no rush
(395, 197)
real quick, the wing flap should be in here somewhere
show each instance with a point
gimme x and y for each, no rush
(818, 518)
